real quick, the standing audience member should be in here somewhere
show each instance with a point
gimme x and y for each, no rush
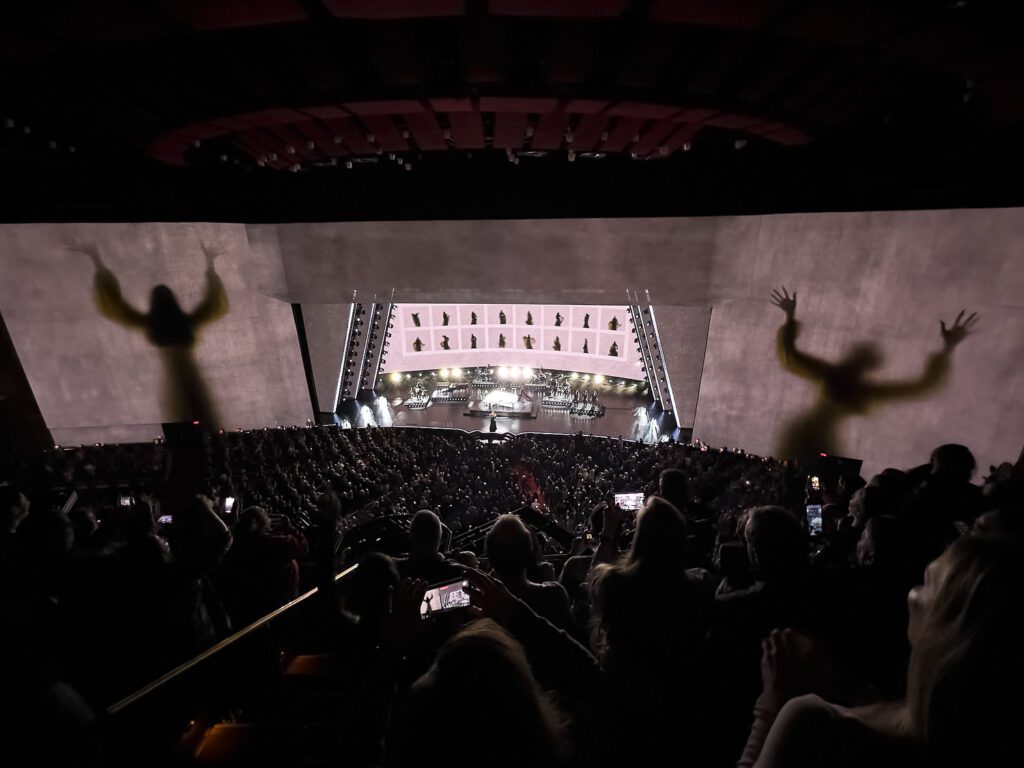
(510, 552)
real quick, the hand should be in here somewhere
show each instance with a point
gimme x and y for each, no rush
(211, 252)
(89, 249)
(784, 301)
(402, 623)
(612, 520)
(791, 665)
(953, 336)
(489, 597)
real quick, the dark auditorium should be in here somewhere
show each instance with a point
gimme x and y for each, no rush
(511, 383)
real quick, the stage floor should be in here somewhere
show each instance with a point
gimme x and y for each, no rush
(625, 415)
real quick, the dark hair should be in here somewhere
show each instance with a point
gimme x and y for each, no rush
(424, 533)
(509, 546)
(368, 585)
(776, 541)
(675, 488)
(954, 461)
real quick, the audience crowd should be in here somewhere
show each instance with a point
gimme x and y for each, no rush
(709, 628)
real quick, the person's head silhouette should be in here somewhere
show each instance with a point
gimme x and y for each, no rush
(862, 357)
(167, 324)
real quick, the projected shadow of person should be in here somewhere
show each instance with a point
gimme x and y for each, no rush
(845, 389)
(171, 330)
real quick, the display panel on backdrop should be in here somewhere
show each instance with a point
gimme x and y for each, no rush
(591, 339)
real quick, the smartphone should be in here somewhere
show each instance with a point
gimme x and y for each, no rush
(165, 519)
(629, 502)
(229, 504)
(442, 598)
(814, 519)
(815, 483)
(125, 501)
(69, 503)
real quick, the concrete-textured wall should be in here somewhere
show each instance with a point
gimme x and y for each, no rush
(683, 332)
(883, 276)
(556, 261)
(326, 326)
(97, 381)
(887, 278)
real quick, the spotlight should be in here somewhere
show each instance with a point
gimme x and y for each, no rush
(514, 372)
(444, 373)
(586, 377)
(456, 373)
(503, 372)
(527, 373)
(599, 379)
(574, 376)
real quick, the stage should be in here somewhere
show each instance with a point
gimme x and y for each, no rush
(503, 402)
(625, 415)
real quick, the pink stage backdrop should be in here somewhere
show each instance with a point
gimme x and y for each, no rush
(535, 335)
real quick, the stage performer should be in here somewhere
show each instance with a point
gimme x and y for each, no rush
(501, 317)
(416, 319)
(171, 330)
(613, 324)
(444, 318)
(529, 318)
(472, 341)
(528, 341)
(557, 346)
(501, 341)
(614, 351)
(586, 320)
(586, 347)
(472, 318)
(444, 343)
(417, 345)
(558, 319)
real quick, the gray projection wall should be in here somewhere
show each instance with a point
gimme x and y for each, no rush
(887, 277)
(98, 382)
(884, 277)
(326, 326)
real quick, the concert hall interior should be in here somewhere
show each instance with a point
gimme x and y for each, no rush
(511, 382)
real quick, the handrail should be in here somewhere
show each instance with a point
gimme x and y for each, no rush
(113, 709)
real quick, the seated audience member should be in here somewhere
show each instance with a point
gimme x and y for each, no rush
(85, 525)
(260, 572)
(777, 549)
(963, 704)
(510, 552)
(425, 560)
(674, 488)
(945, 500)
(479, 704)
(466, 557)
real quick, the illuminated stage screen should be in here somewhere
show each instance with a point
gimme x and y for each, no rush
(588, 339)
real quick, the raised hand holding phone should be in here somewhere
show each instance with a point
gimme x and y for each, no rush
(489, 597)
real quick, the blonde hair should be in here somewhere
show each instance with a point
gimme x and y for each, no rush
(966, 666)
